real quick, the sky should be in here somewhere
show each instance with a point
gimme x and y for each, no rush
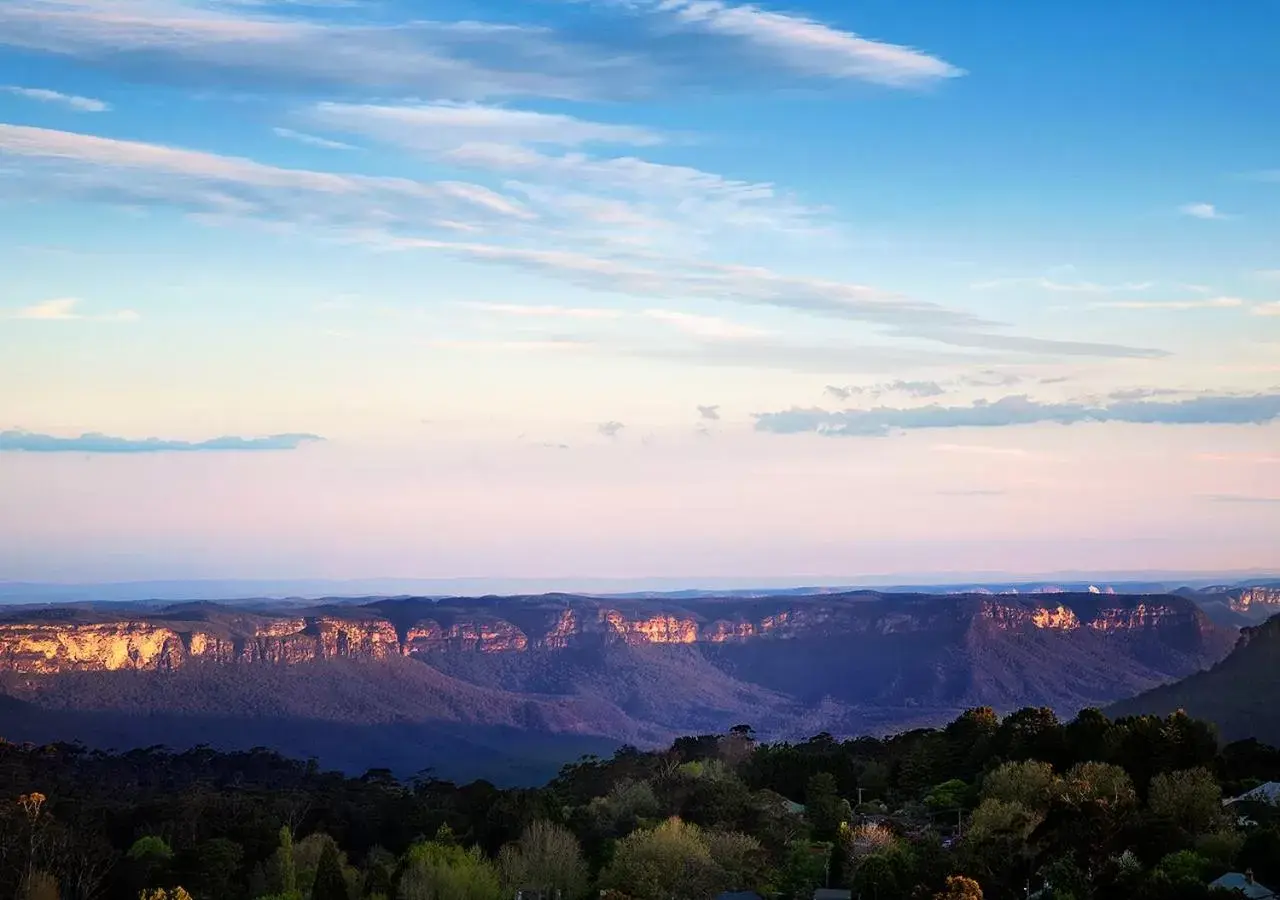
(625, 288)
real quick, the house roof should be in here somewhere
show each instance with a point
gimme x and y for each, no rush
(832, 894)
(1237, 881)
(738, 895)
(1265, 793)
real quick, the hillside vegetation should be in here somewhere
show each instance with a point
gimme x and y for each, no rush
(1091, 808)
(1238, 694)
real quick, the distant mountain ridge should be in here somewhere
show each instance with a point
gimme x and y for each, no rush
(1241, 694)
(310, 591)
(568, 666)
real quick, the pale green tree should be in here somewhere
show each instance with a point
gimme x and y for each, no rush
(547, 858)
(286, 865)
(1105, 784)
(739, 859)
(670, 862)
(1029, 783)
(439, 871)
(1191, 799)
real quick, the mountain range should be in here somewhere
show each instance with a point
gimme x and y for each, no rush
(472, 686)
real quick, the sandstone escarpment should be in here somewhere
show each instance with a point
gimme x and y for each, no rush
(166, 641)
(1252, 598)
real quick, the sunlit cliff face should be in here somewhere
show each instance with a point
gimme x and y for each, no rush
(1254, 597)
(48, 648)
(1053, 617)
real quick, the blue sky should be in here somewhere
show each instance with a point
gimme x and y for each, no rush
(636, 288)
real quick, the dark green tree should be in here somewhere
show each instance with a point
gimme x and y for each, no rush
(330, 884)
(876, 878)
(824, 807)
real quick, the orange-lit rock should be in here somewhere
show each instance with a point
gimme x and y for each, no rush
(658, 629)
(124, 645)
(1057, 617)
(339, 638)
(479, 637)
(721, 631)
(566, 628)
(1249, 598)
(1142, 615)
(1014, 616)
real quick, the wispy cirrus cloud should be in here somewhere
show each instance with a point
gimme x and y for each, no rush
(548, 312)
(93, 442)
(924, 388)
(1064, 287)
(47, 162)
(268, 46)
(899, 386)
(1010, 411)
(310, 140)
(1207, 303)
(392, 213)
(791, 355)
(1267, 309)
(710, 327)
(801, 45)
(652, 276)
(64, 309)
(544, 152)
(1201, 211)
(445, 125)
(44, 95)
(286, 46)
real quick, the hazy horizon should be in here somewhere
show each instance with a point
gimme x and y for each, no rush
(303, 588)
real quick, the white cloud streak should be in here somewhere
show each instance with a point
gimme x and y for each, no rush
(1063, 287)
(310, 140)
(800, 44)
(1209, 303)
(709, 327)
(548, 312)
(648, 276)
(438, 126)
(274, 46)
(89, 167)
(65, 309)
(648, 202)
(1267, 309)
(1201, 211)
(43, 95)
(258, 45)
